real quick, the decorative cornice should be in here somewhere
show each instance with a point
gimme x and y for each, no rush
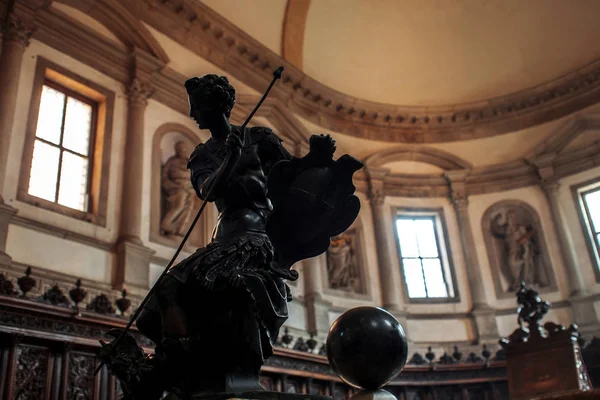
(67, 36)
(203, 31)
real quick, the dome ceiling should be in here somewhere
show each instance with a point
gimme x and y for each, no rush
(427, 52)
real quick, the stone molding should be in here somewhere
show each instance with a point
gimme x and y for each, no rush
(59, 31)
(208, 34)
(68, 36)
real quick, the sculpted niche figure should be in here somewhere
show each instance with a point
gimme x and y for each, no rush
(180, 196)
(521, 252)
(342, 269)
(215, 316)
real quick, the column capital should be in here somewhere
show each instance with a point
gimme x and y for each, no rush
(376, 197)
(138, 92)
(550, 186)
(457, 185)
(460, 203)
(17, 30)
(376, 177)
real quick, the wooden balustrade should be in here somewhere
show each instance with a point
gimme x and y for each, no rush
(48, 351)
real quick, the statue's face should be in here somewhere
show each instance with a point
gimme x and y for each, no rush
(180, 149)
(199, 114)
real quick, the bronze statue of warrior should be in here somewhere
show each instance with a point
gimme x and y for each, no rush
(214, 317)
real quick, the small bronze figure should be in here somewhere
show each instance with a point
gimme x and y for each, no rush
(215, 316)
(531, 308)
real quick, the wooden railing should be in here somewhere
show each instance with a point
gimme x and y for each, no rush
(48, 351)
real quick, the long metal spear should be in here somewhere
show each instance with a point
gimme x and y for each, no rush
(276, 75)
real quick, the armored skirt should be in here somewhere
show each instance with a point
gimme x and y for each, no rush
(230, 287)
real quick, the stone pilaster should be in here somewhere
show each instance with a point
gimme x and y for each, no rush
(483, 314)
(584, 313)
(389, 276)
(16, 33)
(317, 309)
(133, 258)
(6, 213)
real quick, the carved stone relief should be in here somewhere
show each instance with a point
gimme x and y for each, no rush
(174, 200)
(344, 262)
(177, 193)
(516, 248)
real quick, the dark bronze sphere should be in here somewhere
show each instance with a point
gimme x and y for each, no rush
(367, 347)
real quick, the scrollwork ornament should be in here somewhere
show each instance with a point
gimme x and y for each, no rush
(138, 92)
(17, 30)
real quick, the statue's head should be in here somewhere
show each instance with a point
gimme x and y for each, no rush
(211, 97)
(181, 149)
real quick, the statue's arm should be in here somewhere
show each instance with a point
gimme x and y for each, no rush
(202, 172)
(271, 149)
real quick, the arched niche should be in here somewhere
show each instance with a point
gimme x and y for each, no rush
(517, 248)
(345, 263)
(174, 203)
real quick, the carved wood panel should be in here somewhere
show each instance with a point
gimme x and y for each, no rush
(80, 376)
(31, 373)
(54, 356)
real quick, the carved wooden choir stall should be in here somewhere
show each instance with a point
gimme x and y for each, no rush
(544, 362)
(49, 347)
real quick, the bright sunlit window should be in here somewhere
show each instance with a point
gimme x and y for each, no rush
(591, 204)
(60, 168)
(425, 268)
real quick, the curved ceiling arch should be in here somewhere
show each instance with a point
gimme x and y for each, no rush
(294, 25)
(422, 154)
(122, 23)
(223, 43)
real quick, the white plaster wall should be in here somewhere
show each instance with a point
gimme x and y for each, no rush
(54, 253)
(439, 330)
(576, 229)
(533, 196)
(20, 241)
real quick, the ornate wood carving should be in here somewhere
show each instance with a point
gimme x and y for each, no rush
(31, 373)
(80, 381)
(102, 305)
(288, 370)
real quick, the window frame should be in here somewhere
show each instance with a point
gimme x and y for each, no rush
(102, 100)
(445, 252)
(593, 247)
(92, 139)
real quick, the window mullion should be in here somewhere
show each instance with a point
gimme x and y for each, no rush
(60, 154)
(421, 262)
